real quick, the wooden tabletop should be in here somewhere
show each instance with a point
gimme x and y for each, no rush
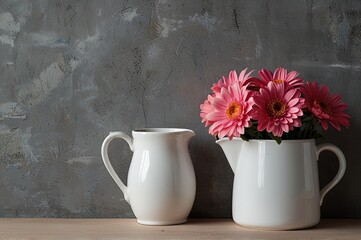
(44, 228)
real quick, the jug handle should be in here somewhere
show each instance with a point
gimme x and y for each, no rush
(341, 168)
(108, 165)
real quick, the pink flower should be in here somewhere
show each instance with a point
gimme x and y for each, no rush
(326, 108)
(231, 111)
(278, 108)
(233, 77)
(206, 108)
(278, 77)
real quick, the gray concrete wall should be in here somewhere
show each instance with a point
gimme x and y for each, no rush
(71, 71)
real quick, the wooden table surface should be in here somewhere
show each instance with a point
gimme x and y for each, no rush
(44, 228)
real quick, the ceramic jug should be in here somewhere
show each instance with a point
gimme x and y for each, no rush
(276, 186)
(161, 180)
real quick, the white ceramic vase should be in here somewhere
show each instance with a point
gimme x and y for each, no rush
(276, 186)
(161, 180)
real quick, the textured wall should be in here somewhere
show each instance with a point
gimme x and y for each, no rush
(71, 71)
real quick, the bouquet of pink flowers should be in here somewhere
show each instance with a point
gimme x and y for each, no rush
(277, 106)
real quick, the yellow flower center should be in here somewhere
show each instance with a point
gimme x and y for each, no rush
(278, 81)
(234, 110)
(276, 108)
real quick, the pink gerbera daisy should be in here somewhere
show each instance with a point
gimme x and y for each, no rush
(278, 108)
(231, 111)
(278, 77)
(326, 108)
(206, 108)
(224, 82)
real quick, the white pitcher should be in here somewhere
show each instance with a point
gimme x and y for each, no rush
(276, 186)
(161, 180)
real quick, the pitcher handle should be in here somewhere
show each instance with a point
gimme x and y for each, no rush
(341, 168)
(108, 165)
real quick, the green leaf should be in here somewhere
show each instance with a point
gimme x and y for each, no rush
(244, 138)
(277, 139)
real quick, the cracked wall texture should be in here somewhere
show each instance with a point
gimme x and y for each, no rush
(71, 71)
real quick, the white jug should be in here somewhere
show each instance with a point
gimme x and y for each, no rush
(161, 180)
(276, 186)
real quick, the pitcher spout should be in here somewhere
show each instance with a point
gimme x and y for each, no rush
(232, 150)
(187, 134)
(190, 134)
